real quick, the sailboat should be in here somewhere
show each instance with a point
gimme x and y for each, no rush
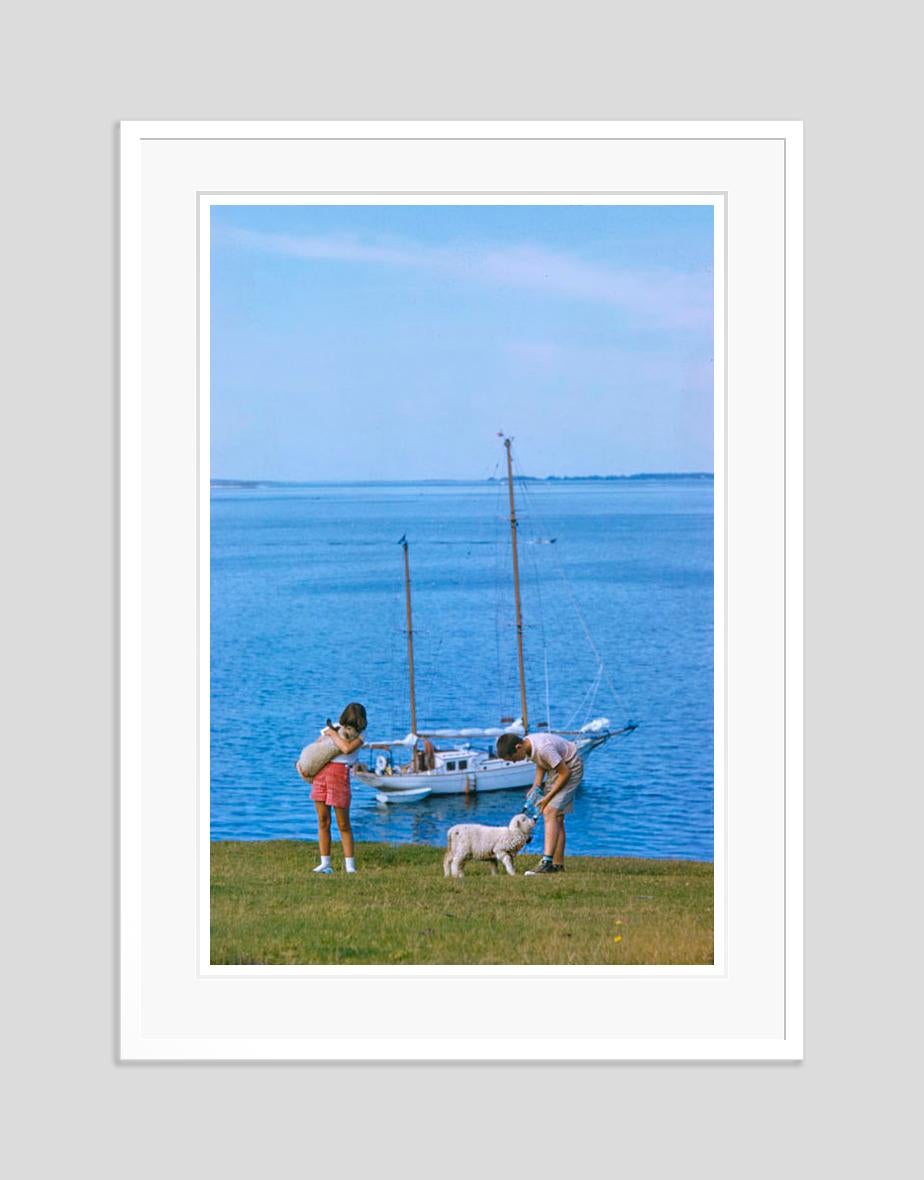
(414, 767)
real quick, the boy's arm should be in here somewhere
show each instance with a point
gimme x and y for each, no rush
(537, 781)
(564, 773)
(341, 743)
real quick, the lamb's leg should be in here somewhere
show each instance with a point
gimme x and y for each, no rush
(457, 866)
(493, 864)
(507, 862)
(450, 853)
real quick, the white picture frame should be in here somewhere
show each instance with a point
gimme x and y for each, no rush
(174, 1005)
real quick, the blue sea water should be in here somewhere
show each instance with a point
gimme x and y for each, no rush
(307, 613)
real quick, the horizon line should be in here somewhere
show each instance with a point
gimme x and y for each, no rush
(259, 481)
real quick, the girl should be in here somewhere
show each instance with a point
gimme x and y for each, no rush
(331, 788)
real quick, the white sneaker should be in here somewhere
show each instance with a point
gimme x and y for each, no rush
(349, 870)
(323, 869)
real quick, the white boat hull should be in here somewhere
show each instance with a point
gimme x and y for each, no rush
(493, 775)
(506, 776)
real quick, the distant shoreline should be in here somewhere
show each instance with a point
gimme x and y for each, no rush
(323, 483)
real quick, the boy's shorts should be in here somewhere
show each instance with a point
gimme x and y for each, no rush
(563, 802)
(331, 785)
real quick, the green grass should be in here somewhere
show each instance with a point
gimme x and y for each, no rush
(268, 907)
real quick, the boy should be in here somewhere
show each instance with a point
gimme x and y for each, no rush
(553, 756)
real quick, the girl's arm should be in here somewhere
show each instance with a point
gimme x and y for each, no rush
(341, 743)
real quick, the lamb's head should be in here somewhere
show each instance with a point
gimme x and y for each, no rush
(523, 825)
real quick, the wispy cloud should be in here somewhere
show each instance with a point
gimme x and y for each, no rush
(678, 370)
(674, 298)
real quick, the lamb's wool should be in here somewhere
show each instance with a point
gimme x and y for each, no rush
(323, 750)
(480, 842)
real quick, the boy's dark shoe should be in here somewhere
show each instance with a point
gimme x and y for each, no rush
(544, 866)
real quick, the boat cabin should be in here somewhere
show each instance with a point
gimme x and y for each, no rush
(461, 759)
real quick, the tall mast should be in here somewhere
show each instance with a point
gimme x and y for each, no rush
(516, 587)
(410, 633)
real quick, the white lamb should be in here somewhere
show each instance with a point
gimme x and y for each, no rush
(479, 842)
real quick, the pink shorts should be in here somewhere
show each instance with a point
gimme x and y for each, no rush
(332, 785)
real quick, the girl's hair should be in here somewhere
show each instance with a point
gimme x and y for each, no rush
(507, 745)
(354, 714)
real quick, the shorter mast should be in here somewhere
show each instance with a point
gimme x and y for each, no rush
(516, 587)
(410, 632)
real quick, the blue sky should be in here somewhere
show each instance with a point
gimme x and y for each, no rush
(394, 342)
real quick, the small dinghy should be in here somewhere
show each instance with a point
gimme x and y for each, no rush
(410, 796)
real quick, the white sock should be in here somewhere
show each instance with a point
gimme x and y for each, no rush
(325, 863)
(350, 864)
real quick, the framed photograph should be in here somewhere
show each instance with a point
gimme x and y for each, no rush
(461, 568)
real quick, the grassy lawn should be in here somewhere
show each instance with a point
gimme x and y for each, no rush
(268, 907)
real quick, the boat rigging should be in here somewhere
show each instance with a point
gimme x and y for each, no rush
(462, 768)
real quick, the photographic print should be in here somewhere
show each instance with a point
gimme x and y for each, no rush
(461, 582)
(460, 567)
